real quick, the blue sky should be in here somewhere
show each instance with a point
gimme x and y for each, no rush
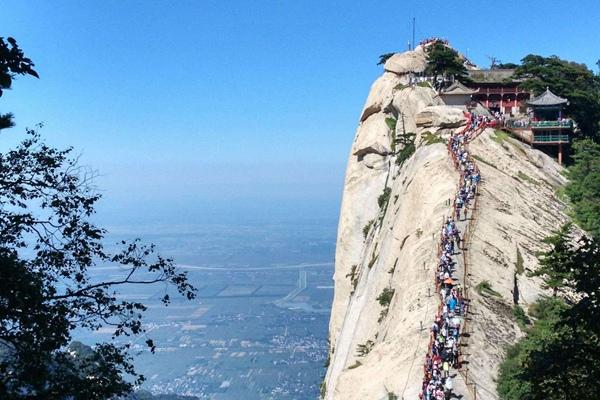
(189, 107)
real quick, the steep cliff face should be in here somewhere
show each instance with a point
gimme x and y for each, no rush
(387, 239)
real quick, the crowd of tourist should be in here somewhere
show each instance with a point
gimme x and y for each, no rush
(433, 39)
(478, 120)
(444, 344)
(518, 123)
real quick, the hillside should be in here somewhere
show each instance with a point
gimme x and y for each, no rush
(391, 244)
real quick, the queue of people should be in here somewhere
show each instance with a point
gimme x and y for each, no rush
(444, 344)
(434, 39)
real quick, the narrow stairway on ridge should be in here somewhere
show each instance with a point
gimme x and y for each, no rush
(445, 371)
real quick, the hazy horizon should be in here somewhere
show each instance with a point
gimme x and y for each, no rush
(217, 105)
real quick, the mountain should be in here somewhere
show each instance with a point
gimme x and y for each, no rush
(399, 188)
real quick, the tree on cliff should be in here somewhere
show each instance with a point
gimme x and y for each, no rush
(47, 248)
(558, 359)
(444, 60)
(566, 79)
(583, 187)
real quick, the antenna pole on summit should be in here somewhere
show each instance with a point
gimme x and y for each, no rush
(413, 37)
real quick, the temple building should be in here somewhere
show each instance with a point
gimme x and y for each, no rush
(548, 125)
(497, 91)
(458, 95)
(547, 129)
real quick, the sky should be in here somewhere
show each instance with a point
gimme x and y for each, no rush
(228, 109)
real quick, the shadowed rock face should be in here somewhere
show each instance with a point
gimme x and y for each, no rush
(395, 246)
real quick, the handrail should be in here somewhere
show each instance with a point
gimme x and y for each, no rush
(469, 133)
(528, 123)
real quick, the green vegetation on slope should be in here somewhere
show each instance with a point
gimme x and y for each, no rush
(385, 299)
(583, 188)
(484, 288)
(558, 359)
(430, 138)
(407, 140)
(384, 198)
(391, 123)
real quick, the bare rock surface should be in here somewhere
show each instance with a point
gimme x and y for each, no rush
(381, 94)
(440, 116)
(407, 62)
(373, 136)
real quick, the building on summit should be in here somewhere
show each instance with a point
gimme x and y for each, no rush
(498, 91)
(458, 95)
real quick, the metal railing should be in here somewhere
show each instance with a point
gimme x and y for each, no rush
(567, 123)
(529, 124)
(550, 138)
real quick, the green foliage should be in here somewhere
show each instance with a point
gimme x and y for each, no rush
(373, 260)
(424, 84)
(499, 136)
(48, 246)
(385, 299)
(430, 138)
(583, 188)
(384, 198)
(574, 267)
(323, 389)
(519, 264)
(552, 263)
(367, 228)
(405, 153)
(419, 233)
(353, 275)
(384, 57)
(364, 349)
(513, 383)
(508, 65)
(522, 319)
(566, 79)
(6, 121)
(407, 140)
(393, 269)
(391, 123)
(12, 62)
(558, 359)
(526, 178)
(400, 86)
(484, 288)
(392, 396)
(443, 60)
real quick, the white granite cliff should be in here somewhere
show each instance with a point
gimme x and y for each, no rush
(394, 246)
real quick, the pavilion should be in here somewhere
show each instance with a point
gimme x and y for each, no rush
(548, 125)
(457, 95)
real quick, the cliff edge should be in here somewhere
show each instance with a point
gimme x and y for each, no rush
(398, 188)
